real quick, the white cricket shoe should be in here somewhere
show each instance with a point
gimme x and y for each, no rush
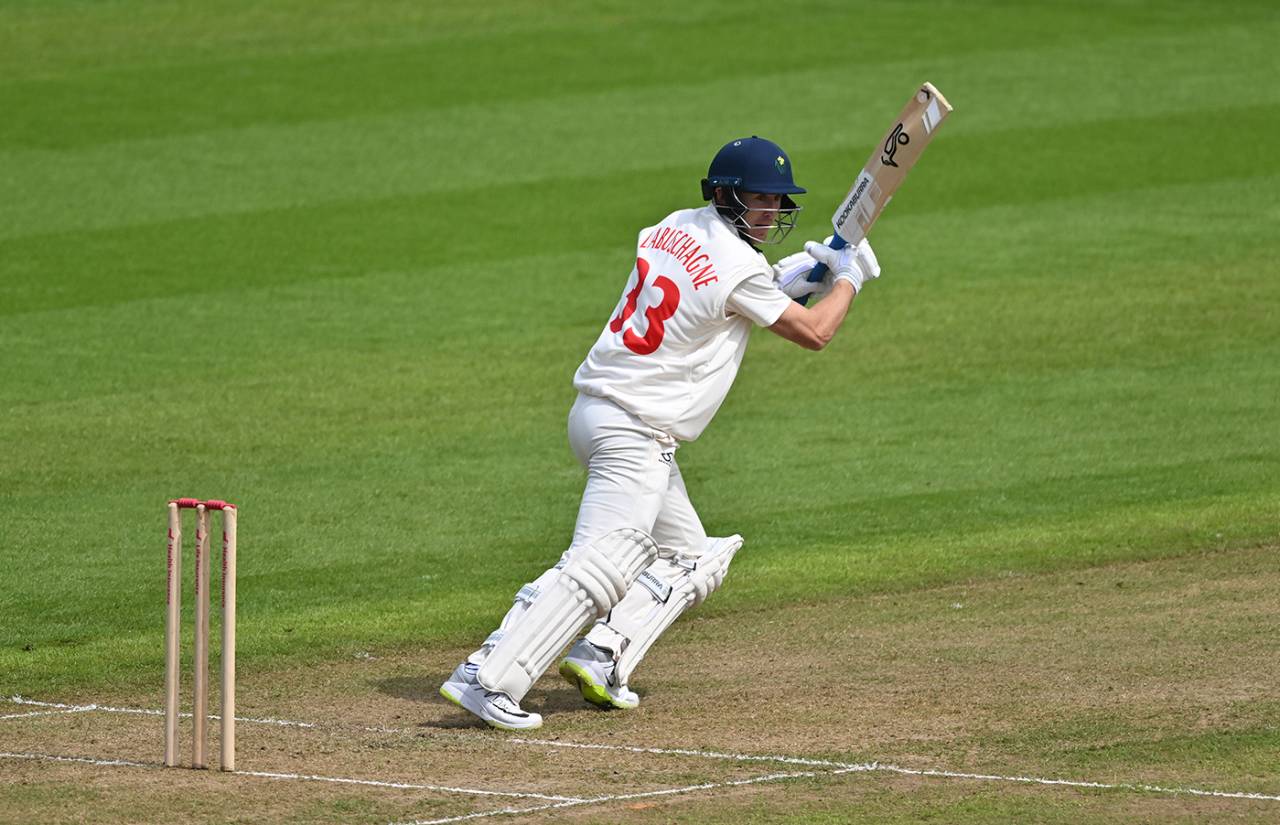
(594, 672)
(497, 709)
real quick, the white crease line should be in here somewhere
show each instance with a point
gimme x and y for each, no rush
(862, 768)
(84, 760)
(844, 767)
(409, 786)
(735, 757)
(599, 800)
(46, 713)
(337, 780)
(840, 767)
(21, 700)
(1072, 783)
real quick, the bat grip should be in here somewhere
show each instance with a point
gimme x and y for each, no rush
(820, 271)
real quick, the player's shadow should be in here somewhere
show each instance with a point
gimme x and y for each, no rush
(546, 698)
(412, 688)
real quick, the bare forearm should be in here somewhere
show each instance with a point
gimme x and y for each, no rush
(814, 328)
(829, 313)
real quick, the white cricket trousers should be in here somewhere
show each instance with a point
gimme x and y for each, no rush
(632, 481)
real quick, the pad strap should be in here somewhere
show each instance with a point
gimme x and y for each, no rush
(661, 593)
(594, 579)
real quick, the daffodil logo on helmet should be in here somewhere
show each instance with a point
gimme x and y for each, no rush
(780, 163)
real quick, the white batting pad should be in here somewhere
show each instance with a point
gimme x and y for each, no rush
(658, 597)
(524, 598)
(595, 579)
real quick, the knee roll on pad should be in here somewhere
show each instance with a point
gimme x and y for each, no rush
(594, 579)
(659, 596)
(712, 567)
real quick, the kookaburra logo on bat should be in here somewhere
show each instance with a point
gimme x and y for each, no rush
(898, 137)
(882, 173)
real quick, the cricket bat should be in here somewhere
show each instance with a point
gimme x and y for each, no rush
(885, 170)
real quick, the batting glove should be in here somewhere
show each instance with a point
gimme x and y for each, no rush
(855, 264)
(791, 275)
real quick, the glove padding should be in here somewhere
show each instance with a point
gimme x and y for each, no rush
(791, 275)
(855, 264)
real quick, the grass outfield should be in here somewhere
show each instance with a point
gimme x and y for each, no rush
(338, 264)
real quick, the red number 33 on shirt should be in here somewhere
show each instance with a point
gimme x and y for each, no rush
(655, 316)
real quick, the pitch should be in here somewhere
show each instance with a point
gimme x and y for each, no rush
(338, 264)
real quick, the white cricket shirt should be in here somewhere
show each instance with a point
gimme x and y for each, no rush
(673, 344)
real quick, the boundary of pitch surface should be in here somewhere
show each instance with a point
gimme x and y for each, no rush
(553, 802)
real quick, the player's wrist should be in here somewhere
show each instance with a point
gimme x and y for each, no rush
(848, 279)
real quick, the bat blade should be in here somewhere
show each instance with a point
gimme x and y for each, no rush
(885, 170)
(889, 163)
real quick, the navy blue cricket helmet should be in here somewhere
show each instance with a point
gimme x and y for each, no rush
(751, 164)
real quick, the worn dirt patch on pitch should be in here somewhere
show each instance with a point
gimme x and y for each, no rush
(1156, 672)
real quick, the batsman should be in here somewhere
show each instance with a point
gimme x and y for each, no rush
(652, 381)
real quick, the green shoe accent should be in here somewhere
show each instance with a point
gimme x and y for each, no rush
(591, 690)
(449, 696)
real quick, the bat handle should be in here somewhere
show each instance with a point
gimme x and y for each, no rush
(820, 271)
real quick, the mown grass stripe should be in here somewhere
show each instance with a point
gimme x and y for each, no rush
(413, 153)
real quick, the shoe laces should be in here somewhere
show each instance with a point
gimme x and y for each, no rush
(502, 701)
